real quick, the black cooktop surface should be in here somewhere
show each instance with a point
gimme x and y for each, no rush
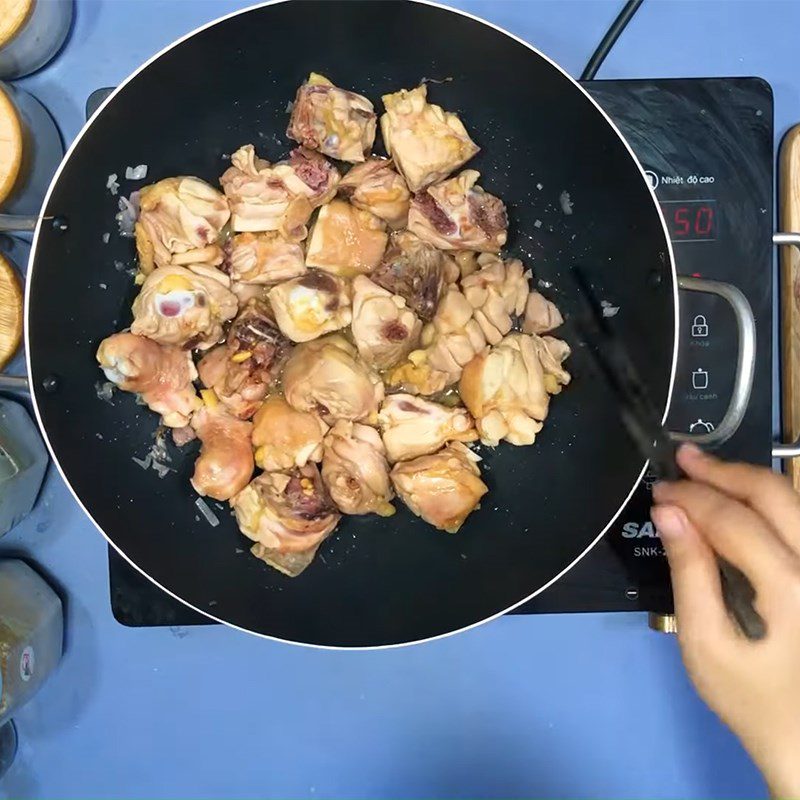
(706, 145)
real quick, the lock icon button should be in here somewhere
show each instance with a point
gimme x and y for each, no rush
(699, 327)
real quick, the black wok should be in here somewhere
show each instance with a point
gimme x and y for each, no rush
(376, 581)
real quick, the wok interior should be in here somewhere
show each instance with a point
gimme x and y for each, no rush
(378, 581)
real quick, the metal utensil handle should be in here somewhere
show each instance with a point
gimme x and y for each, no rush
(745, 360)
(10, 224)
(786, 449)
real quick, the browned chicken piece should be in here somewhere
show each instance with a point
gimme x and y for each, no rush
(541, 315)
(162, 375)
(263, 258)
(225, 464)
(376, 187)
(179, 223)
(279, 197)
(184, 307)
(288, 515)
(497, 292)
(507, 387)
(285, 437)
(442, 488)
(345, 240)
(311, 305)
(326, 376)
(413, 269)
(355, 471)
(385, 331)
(338, 123)
(448, 343)
(458, 215)
(242, 371)
(427, 143)
(414, 427)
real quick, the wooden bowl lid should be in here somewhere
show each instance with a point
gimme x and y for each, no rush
(11, 311)
(13, 15)
(10, 144)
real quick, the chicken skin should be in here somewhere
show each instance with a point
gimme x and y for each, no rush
(448, 343)
(507, 387)
(412, 426)
(288, 515)
(541, 315)
(285, 437)
(385, 331)
(355, 470)
(426, 143)
(413, 269)
(458, 215)
(442, 488)
(180, 220)
(278, 197)
(345, 240)
(263, 258)
(327, 377)
(336, 122)
(184, 307)
(497, 292)
(311, 305)
(161, 374)
(225, 464)
(376, 187)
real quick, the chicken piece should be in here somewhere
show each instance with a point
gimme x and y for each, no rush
(285, 437)
(180, 220)
(427, 143)
(442, 488)
(541, 315)
(458, 215)
(376, 187)
(225, 464)
(385, 331)
(448, 343)
(413, 269)
(355, 471)
(263, 258)
(345, 240)
(553, 353)
(497, 292)
(338, 123)
(467, 263)
(310, 306)
(414, 427)
(161, 375)
(184, 307)
(288, 515)
(242, 371)
(507, 387)
(325, 376)
(278, 197)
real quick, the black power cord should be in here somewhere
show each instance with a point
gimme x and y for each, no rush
(608, 41)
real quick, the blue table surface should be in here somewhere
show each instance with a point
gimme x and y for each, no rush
(563, 706)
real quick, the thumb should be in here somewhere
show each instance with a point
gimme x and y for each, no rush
(696, 585)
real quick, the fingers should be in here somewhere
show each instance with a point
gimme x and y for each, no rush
(769, 494)
(695, 576)
(732, 529)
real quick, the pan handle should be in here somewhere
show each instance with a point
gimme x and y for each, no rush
(786, 449)
(11, 224)
(745, 360)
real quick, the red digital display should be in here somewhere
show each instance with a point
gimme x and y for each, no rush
(691, 221)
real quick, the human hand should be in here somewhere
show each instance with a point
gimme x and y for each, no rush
(751, 517)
